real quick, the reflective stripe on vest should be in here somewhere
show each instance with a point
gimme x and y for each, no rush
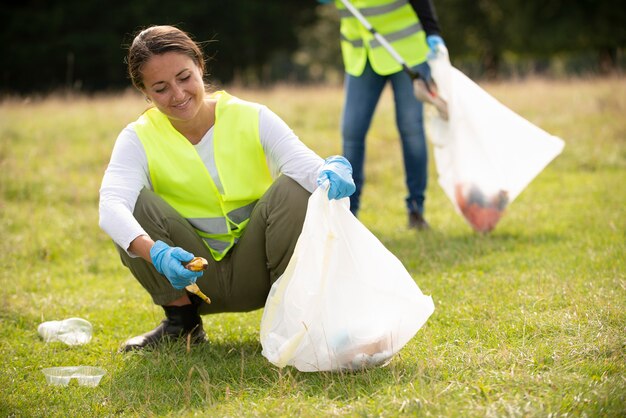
(393, 19)
(216, 199)
(394, 36)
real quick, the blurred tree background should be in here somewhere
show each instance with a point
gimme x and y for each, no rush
(50, 45)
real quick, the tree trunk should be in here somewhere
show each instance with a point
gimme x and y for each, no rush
(491, 65)
(607, 60)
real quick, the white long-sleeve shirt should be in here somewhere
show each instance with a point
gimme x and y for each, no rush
(128, 173)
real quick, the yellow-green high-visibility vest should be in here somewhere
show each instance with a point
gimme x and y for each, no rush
(396, 21)
(216, 199)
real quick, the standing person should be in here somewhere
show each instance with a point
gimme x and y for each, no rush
(207, 175)
(412, 28)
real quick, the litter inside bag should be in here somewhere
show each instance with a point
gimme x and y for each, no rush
(482, 211)
(344, 302)
(485, 153)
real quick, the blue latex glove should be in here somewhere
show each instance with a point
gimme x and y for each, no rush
(434, 42)
(325, 1)
(338, 171)
(169, 262)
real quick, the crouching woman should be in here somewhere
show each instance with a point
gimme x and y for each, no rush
(209, 175)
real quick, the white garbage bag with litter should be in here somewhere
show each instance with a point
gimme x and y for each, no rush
(345, 302)
(485, 153)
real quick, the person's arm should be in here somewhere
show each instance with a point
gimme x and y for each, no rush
(286, 153)
(297, 161)
(427, 14)
(125, 176)
(141, 247)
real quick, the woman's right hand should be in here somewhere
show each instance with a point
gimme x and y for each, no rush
(169, 261)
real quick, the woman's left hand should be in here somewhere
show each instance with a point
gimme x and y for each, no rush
(338, 172)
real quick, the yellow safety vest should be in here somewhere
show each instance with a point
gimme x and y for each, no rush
(396, 21)
(217, 201)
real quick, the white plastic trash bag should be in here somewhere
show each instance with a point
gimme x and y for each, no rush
(485, 153)
(344, 302)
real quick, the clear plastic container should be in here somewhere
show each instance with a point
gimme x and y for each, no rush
(85, 375)
(71, 331)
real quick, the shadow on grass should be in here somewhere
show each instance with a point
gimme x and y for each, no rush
(170, 378)
(434, 252)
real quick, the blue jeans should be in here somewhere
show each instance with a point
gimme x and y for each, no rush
(362, 94)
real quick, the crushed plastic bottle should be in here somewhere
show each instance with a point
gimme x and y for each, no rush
(71, 331)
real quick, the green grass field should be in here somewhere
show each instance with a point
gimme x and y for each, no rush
(529, 320)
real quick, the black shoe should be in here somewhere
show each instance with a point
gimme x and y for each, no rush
(179, 322)
(417, 221)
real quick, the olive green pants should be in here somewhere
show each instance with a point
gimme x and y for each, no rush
(242, 279)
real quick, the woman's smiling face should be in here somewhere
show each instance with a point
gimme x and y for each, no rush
(174, 83)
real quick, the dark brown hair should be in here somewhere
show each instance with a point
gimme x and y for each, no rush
(157, 40)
